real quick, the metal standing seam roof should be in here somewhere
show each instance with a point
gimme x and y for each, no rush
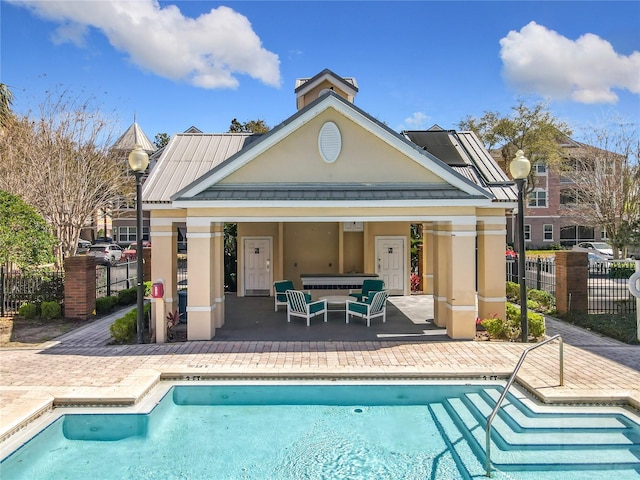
(191, 157)
(465, 154)
(482, 192)
(187, 157)
(132, 136)
(335, 192)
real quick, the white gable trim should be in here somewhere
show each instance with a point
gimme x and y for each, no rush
(342, 84)
(330, 101)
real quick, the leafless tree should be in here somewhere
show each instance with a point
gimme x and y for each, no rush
(59, 161)
(606, 176)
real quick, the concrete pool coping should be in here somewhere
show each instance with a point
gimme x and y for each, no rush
(79, 369)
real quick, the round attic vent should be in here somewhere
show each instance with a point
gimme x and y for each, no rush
(329, 142)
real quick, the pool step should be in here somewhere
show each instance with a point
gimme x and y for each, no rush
(580, 447)
(522, 417)
(467, 459)
(566, 434)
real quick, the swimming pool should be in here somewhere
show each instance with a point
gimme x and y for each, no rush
(331, 430)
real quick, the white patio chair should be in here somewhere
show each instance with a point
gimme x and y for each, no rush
(299, 304)
(280, 292)
(375, 306)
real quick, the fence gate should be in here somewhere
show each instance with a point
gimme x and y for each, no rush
(608, 289)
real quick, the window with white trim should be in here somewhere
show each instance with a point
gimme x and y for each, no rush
(527, 232)
(537, 198)
(540, 168)
(547, 232)
(127, 234)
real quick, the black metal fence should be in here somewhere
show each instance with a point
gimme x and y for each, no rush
(608, 290)
(17, 288)
(113, 278)
(182, 272)
(540, 273)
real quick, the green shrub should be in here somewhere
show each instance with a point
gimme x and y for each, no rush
(622, 269)
(27, 310)
(513, 292)
(124, 328)
(535, 323)
(50, 310)
(128, 296)
(532, 305)
(546, 301)
(494, 327)
(537, 300)
(105, 304)
(147, 288)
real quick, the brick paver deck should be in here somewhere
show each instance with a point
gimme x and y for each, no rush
(79, 368)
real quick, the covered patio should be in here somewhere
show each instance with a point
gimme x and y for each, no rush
(409, 318)
(331, 190)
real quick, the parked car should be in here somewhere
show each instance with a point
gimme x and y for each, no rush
(129, 253)
(103, 240)
(106, 253)
(601, 248)
(83, 246)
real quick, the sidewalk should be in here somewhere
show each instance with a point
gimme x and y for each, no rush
(80, 369)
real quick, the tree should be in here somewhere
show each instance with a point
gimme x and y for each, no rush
(59, 162)
(160, 140)
(530, 128)
(252, 126)
(6, 99)
(25, 237)
(606, 176)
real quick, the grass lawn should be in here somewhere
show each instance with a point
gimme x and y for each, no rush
(619, 327)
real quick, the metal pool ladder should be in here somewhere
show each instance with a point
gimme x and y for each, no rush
(506, 390)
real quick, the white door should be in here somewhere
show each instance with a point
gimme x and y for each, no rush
(390, 263)
(257, 266)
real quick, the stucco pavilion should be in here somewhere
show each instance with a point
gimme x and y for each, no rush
(330, 190)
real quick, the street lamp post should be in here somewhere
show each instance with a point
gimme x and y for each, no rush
(139, 161)
(520, 168)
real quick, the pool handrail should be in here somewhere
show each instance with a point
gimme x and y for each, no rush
(506, 390)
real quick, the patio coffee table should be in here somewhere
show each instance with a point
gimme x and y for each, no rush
(337, 301)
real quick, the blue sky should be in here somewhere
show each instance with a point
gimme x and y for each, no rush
(180, 63)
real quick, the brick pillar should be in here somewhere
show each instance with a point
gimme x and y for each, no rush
(146, 264)
(572, 273)
(80, 287)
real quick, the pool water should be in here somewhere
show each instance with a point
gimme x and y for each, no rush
(275, 432)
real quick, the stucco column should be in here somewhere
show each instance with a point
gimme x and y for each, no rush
(427, 258)
(491, 267)
(164, 266)
(440, 276)
(459, 254)
(217, 275)
(202, 286)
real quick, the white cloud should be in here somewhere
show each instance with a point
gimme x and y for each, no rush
(208, 51)
(587, 70)
(417, 121)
